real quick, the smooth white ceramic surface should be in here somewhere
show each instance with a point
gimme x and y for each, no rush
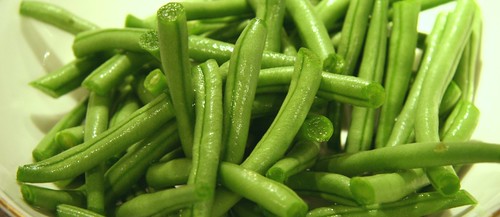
(29, 49)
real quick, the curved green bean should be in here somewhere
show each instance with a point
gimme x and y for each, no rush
(80, 158)
(48, 199)
(56, 16)
(65, 210)
(331, 183)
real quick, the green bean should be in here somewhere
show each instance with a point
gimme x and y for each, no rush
(172, 200)
(169, 173)
(409, 156)
(273, 196)
(65, 210)
(144, 95)
(69, 137)
(80, 158)
(335, 199)
(402, 45)
(317, 128)
(172, 36)
(420, 204)
(277, 139)
(331, 183)
(56, 16)
(287, 46)
(113, 71)
(274, 14)
(266, 104)
(461, 123)
(240, 87)
(202, 10)
(99, 40)
(48, 199)
(353, 33)
(330, 12)
(67, 78)
(176, 153)
(155, 82)
(312, 31)
(47, 147)
(361, 129)
(301, 157)
(441, 69)
(451, 97)
(124, 109)
(207, 140)
(465, 77)
(246, 208)
(405, 122)
(342, 88)
(96, 122)
(134, 164)
(426, 4)
(387, 187)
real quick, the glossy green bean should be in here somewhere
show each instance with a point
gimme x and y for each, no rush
(301, 157)
(125, 173)
(330, 12)
(353, 33)
(47, 147)
(273, 16)
(207, 142)
(203, 10)
(80, 158)
(241, 84)
(173, 45)
(273, 196)
(409, 156)
(387, 187)
(65, 210)
(67, 78)
(156, 82)
(404, 125)
(402, 45)
(124, 109)
(69, 137)
(451, 97)
(96, 122)
(361, 128)
(56, 16)
(168, 174)
(47, 199)
(461, 123)
(99, 40)
(172, 199)
(112, 72)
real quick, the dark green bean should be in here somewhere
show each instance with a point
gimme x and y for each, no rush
(56, 16)
(80, 158)
(173, 44)
(241, 83)
(47, 147)
(409, 156)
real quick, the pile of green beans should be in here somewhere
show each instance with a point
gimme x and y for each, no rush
(235, 108)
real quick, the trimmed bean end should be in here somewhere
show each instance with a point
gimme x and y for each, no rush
(362, 191)
(170, 12)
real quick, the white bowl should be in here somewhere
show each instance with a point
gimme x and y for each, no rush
(29, 49)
